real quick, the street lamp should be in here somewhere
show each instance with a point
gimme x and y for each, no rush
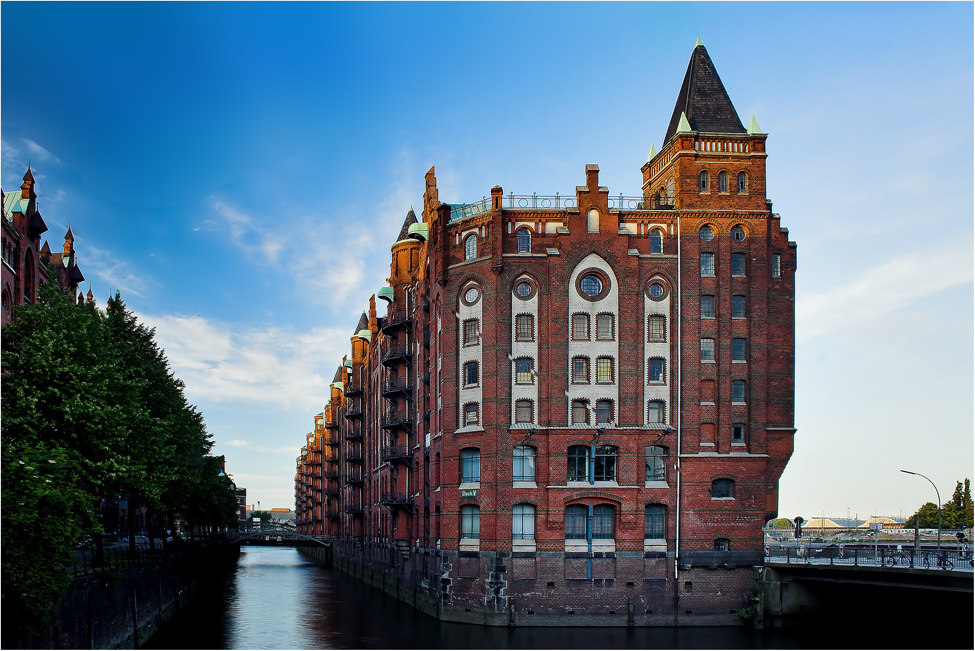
(936, 492)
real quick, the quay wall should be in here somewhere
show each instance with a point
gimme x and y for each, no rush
(122, 608)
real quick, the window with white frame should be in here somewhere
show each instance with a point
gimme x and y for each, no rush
(776, 265)
(523, 522)
(470, 521)
(471, 414)
(523, 464)
(470, 247)
(470, 466)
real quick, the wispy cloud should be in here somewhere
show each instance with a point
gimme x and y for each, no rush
(248, 233)
(224, 363)
(114, 273)
(39, 153)
(883, 289)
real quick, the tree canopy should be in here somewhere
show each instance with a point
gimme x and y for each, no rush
(955, 513)
(91, 409)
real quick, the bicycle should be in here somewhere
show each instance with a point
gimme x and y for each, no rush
(941, 561)
(899, 558)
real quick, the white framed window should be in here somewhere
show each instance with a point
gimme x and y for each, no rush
(470, 521)
(523, 464)
(523, 522)
(470, 247)
(604, 370)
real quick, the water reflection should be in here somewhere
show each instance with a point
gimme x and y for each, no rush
(277, 599)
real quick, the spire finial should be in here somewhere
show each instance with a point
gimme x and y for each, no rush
(753, 126)
(699, 42)
(683, 125)
(653, 152)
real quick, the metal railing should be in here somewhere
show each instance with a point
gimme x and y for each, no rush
(867, 556)
(555, 201)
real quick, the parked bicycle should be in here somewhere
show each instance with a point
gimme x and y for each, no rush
(893, 559)
(940, 560)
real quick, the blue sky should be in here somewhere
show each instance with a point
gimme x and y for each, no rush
(239, 171)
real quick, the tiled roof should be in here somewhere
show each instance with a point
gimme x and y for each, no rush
(404, 233)
(363, 324)
(704, 100)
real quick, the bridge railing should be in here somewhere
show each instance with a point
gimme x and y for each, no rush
(872, 556)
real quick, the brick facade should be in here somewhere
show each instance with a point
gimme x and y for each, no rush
(576, 409)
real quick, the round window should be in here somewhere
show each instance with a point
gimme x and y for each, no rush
(471, 295)
(738, 233)
(524, 289)
(656, 291)
(707, 233)
(591, 285)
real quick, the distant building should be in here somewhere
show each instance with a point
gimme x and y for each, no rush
(577, 407)
(25, 260)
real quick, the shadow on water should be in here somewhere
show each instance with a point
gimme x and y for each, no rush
(278, 599)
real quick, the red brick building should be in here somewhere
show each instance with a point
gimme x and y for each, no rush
(576, 409)
(25, 260)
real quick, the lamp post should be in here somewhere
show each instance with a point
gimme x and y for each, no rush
(936, 492)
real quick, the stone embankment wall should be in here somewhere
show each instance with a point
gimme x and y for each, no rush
(122, 608)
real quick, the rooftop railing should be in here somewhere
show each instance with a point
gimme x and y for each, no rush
(534, 201)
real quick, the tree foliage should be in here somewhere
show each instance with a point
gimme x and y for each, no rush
(955, 513)
(90, 409)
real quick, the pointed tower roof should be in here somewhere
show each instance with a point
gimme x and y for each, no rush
(703, 99)
(404, 233)
(363, 324)
(338, 375)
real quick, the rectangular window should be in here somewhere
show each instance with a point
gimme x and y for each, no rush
(707, 349)
(707, 307)
(776, 265)
(603, 521)
(577, 463)
(575, 522)
(604, 463)
(471, 414)
(470, 332)
(580, 370)
(470, 374)
(655, 371)
(604, 370)
(707, 264)
(604, 327)
(580, 412)
(655, 521)
(737, 264)
(523, 465)
(656, 463)
(737, 350)
(604, 411)
(523, 370)
(738, 391)
(470, 466)
(470, 521)
(655, 411)
(523, 522)
(580, 327)
(656, 327)
(524, 327)
(738, 434)
(523, 411)
(737, 307)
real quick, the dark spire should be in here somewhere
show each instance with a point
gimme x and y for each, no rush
(703, 99)
(338, 375)
(404, 233)
(363, 324)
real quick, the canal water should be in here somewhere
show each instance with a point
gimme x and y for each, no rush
(278, 599)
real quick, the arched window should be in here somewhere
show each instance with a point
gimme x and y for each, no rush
(523, 522)
(592, 221)
(722, 545)
(470, 247)
(656, 241)
(722, 181)
(603, 521)
(524, 240)
(575, 521)
(703, 182)
(742, 183)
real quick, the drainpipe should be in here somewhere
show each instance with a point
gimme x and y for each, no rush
(589, 540)
(679, 413)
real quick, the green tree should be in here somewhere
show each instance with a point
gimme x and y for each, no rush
(955, 513)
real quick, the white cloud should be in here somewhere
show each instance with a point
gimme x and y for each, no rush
(115, 274)
(885, 288)
(248, 233)
(223, 363)
(39, 153)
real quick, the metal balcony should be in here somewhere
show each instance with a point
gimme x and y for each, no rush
(354, 434)
(396, 319)
(392, 419)
(354, 510)
(397, 453)
(353, 391)
(354, 409)
(354, 457)
(397, 499)
(398, 353)
(393, 386)
(354, 478)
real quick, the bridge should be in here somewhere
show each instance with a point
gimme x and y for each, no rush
(275, 536)
(833, 583)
